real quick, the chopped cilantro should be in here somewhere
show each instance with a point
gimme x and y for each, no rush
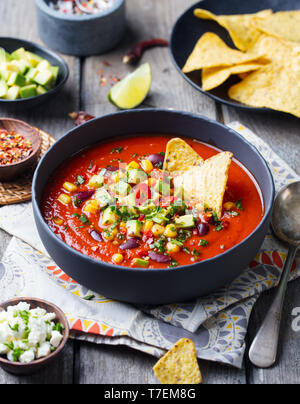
(203, 243)
(80, 180)
(239, 204)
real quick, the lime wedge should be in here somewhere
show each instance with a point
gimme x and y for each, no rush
(133, 89)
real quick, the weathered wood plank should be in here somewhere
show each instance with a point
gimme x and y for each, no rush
(20, 21)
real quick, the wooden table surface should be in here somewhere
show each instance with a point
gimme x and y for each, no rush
(85, 363)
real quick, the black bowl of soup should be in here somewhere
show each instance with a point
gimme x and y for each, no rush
(159, 247)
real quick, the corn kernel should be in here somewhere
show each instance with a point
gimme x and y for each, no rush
(91, 206)
(147, 166)
(133, 165)
(57, 220)
(64, 199)
(170, 231)
(172, 248)
(152, 182)
(148, 225)
(110, 234)
(68, 186)
(229, 205)
(117, 258)
(157, 230)
(122, 225)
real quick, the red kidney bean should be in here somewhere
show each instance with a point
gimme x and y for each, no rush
(111, 168)
(96, 235)
(203, 229)
(156, 159)
(161, 258)
(130, 244)
(84, 195)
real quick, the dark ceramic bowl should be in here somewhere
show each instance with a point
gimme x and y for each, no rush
(19, 368)
(81, 35)
(188, 29)
(12, 171)
(12, 44)
(153, 286)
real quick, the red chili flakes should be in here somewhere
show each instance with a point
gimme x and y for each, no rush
(13, 147)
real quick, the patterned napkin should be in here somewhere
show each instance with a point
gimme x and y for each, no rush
(216, 323)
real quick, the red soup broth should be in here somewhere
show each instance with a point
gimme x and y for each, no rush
(65, 220)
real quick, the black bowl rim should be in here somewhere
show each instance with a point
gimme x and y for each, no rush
(34, 152)
(198, 88)
(50, 53)
(41, 4)
(195, 266)
(45, 359)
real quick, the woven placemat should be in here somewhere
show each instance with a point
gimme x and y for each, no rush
(20, 190)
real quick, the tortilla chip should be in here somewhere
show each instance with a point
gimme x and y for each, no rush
(207, 184)
(180, 156)
(179, 365)
(240, 27)
(276, 49)
(211, 51)
(276, 86)
(284, 25)
(215, 76)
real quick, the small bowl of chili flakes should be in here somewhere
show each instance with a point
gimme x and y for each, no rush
(20, 144)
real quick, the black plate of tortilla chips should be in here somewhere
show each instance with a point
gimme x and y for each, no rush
(188, 29)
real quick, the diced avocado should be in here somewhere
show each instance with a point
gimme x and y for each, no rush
(135, 176)
(16, 79)
(96, 181)
(159, 218)
(130, 200)
(13, 93)
(4, 72)
(139, 262)
(122, 188)
(44, 78)
(43, 65)
(33, 59)
(185, 222)
(19, 54)
(22, 65)
(31, 74)
(55, 71)
(109, 216)
(3, 89)
(163, 188)
(41, 90)
(134, 228)
(146, 209)
(28, 91)
(103, 197)
(12, 67)
(178, 192)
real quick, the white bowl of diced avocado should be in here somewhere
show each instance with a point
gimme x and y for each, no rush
(29, 74)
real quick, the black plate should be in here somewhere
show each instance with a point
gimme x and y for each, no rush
(12, 44)
(188, 29)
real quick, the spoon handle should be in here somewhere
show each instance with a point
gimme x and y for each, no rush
(263, 351)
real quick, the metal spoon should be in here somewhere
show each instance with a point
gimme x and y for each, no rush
(286, 226)
(82, 8)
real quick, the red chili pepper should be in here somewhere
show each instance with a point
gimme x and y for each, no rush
(136, 53)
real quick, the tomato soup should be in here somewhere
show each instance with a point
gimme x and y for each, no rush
(114, 203)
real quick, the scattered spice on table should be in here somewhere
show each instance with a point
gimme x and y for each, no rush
(136, 53)
(69, 7)
(80, 117)
(14, 147)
